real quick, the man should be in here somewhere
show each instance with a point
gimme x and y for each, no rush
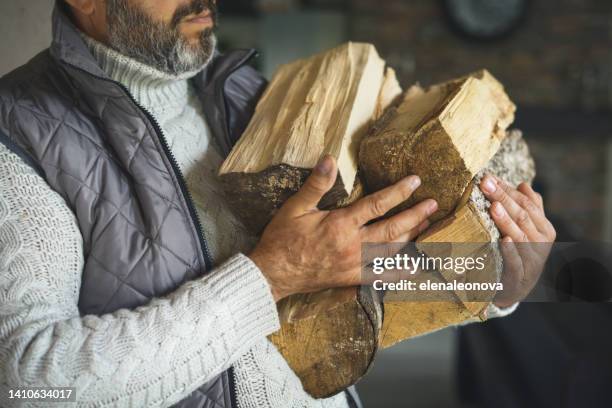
(123, 274)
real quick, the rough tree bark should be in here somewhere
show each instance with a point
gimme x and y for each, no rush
(468, 232)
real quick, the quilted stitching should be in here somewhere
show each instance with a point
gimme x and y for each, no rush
(125, 218)
(13, 131)
(124, 196)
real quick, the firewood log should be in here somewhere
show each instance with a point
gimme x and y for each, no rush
(330, 338)
(445, 134)
(470, 223)
(326, 105)
(312, 107)
(320, 105)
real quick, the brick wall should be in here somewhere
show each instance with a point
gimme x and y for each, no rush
(561, 56)
(559, 62)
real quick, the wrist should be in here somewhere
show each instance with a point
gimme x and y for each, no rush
(265, 266)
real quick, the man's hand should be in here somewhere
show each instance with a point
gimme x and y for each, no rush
(527, 236)
(304, 249)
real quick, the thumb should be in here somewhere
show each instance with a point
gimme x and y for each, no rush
(320, 181)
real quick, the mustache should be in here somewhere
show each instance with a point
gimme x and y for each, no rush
(194, 8)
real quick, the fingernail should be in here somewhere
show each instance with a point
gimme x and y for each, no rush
(498, 210)
(507, 240)
(489, 185)
(432, 206)
(414, 182)
(324, 167)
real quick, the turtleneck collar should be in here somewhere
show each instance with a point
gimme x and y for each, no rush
(150, 87)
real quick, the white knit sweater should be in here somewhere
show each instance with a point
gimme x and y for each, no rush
(158, 354)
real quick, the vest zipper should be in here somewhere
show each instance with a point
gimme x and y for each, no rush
(181, 179)
(173, 163)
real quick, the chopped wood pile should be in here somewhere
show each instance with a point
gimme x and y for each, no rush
(345, 102)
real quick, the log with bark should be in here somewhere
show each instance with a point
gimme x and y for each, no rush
(321, 105)
(312, 107)
(468, 232)
(445, 134)
(330, 338)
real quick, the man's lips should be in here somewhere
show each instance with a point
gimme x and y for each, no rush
(202, 18)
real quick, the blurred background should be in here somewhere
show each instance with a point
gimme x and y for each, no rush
(555, 59)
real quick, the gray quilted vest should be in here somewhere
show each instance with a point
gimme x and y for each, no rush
(108, 159)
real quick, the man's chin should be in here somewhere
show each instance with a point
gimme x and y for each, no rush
(202, 49)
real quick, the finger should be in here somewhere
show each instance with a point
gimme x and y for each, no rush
(412, 234)
(422, 228)
(404, 225)
(526, 189)
(538, 216)
(371, 250)
(506, 224)
(526, 200)
(499, 191)
(513, 265)
(320, 181)
(512, 275)
(532, 264)
(509, 228)
(378, 204)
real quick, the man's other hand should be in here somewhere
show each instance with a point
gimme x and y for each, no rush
(527, 236)
(304, 249)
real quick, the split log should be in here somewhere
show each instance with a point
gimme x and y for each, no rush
(445, 134)
(321, 105)
(330, 338)
(469, 232)
(316, 106)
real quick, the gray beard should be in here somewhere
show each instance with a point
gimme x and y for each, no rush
(134, 34)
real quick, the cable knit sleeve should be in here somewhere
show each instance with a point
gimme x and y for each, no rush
(152, 356)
